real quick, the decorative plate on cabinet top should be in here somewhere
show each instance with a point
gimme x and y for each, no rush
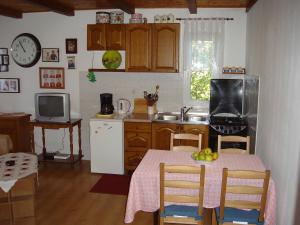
(111, 59)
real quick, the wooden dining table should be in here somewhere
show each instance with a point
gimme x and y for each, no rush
(144, 186)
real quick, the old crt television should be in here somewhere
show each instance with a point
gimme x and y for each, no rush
(52, 107)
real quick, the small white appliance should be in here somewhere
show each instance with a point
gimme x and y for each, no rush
(123, 106)
(106, 143)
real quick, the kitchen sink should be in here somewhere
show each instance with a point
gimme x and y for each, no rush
(167, 117)
(194, 118)
(174, 117)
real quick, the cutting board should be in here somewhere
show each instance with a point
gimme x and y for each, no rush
(140, 106)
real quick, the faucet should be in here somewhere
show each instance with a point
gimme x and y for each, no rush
(183, 111)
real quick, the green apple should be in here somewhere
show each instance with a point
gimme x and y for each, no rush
(195, 155)
(215, 155)
(208, 158)
(207, 151)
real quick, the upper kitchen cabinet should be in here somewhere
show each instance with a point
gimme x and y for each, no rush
(138, 47)
(165, 46)
(96, 38)
(115, 37)
(106, 37)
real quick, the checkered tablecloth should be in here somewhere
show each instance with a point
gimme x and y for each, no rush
(144, 186)
(24, 165)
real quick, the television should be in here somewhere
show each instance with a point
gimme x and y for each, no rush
(52, 107)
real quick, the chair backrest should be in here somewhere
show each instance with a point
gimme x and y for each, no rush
(239, 139)
(185, 136)
(181, 184)
(244, 189)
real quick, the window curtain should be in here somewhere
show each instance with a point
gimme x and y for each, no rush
(196, 32)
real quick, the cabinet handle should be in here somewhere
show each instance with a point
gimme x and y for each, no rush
(109, 128)
(96, 132)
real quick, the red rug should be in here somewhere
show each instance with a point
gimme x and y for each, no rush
(112, 184)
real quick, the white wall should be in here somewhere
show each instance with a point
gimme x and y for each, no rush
(52, 29)
(273, 53)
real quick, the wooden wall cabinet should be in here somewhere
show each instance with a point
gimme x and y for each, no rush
(106, 37)
(165, 47)
(152, 47)
(138, 47)
(17, 127)
(137, 140)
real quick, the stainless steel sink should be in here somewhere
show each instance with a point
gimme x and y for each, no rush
(166, 117)
(195, 118)
(174, 117)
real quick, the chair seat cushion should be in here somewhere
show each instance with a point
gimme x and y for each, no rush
(233, 214)
(181, 211)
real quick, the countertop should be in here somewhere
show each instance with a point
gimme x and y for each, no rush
(142, 117)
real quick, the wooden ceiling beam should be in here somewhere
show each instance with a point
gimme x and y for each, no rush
(120, 4)
(55, 6)
(251, 3)
(192, 5)
(5, 11)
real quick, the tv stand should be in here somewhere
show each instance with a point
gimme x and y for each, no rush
(55, 125)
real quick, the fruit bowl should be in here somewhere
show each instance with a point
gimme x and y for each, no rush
(205, 156)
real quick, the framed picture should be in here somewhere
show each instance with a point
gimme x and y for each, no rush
(3, 68)
(71, 62)
(3, 51)
(71, 46)
(9, 85)
(4, 60)
(52, 77)
(50, 54)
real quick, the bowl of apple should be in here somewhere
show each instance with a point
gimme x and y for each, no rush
(205, 156)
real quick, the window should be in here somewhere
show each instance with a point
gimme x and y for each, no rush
(203, 59)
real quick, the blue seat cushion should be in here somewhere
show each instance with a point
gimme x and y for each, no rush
(181, 210)
(233, 214)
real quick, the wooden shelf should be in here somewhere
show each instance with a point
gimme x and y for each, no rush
(106, 70)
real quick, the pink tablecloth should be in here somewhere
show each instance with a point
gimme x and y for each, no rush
(144, 185)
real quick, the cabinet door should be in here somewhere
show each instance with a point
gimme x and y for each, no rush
(138, 47)
(196, 129)
(137, 141)
(161, 134)
(165, 47)
(115, 36)
(96, 37)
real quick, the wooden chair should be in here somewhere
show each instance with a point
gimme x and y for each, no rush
(179, 213)
(241, 139)
(234, 210)
(185, 137)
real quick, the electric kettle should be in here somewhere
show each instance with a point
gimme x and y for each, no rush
(123, 106)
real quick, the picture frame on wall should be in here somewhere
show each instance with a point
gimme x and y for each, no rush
(9, 85)
(50, 54)
(4, 59)
(71, 46)
(71, 62)
(3, 51)
(3, 68)
(52, 77)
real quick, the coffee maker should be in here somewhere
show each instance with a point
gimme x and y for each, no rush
(106, 103)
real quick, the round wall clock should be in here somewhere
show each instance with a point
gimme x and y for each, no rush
(26, 50)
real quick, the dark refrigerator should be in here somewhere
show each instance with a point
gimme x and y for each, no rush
(233, 107)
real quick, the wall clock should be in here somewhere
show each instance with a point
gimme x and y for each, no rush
(26, 50)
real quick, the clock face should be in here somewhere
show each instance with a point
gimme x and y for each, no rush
(26, 50)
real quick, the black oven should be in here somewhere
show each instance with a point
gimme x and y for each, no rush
(227, 126)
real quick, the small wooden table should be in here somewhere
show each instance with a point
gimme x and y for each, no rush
(54, 125)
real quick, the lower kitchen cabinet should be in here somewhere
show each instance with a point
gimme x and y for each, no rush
(161, 134)
(196, 129)
(141, 136)
(137, 140)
